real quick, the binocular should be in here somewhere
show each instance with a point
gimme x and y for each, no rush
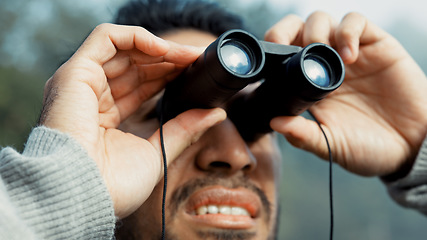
(285, 80)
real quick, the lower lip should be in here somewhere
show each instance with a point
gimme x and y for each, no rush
(223, 221)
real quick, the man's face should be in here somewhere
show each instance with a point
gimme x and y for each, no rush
(221, 187)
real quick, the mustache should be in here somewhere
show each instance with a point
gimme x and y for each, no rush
(183, 193)
(219, 234)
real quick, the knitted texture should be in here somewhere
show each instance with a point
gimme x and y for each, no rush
(53, 190)
(411, 191)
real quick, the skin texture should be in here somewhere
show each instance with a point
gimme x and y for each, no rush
(219, 169)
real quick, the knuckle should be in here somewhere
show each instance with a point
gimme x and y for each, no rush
(272, 36)
(353, 15)
(279, 33)
(319, 14)
(103, 28)
(346, 34)
(295, 19)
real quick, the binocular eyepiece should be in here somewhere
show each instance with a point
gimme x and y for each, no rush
(290, 80)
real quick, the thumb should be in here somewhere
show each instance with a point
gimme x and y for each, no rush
(185, 129)
(302, 133)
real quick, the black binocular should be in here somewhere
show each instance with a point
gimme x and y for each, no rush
(287, 81)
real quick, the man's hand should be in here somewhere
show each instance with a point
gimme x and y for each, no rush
(377, 120)
(115, 70)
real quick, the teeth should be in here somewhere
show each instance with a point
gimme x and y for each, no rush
(239, 211)
(202, 210)
(226, 210)
(212, 209)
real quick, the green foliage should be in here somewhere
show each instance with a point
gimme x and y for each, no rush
(37, 37)
(20, 104)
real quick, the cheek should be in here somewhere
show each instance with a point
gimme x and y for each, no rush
(149, 215)
(146, 221)
(178, 172)
(267, 177)
(268, 155)
(268, 170)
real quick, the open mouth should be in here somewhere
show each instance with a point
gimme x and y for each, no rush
(221, 207)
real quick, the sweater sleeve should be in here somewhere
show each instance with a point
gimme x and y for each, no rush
(53, 190)
(411, 190)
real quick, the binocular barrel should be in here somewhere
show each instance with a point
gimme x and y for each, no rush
(228, 65)
(291, 80)
(291, 85)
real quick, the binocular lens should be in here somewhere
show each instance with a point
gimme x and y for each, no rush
(237, 57)
(317, 71)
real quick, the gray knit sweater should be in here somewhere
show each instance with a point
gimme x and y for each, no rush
(53, 190)
(411, 191)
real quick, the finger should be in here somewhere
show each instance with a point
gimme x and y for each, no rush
(137, 75)
(164, 71)
(182, 54)
(302, 133)
(319, 28)
(286, 31)
(130, 102)
(125, 78)
(185, 129)
(103, 43)
(355, 30)
(123, 60)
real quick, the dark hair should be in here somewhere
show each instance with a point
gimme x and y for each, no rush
(159, 16)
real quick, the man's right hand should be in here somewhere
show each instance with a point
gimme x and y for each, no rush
(115, 70)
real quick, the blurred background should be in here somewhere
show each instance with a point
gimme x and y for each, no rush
(37, 36)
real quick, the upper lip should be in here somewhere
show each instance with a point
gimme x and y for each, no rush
(218, 195)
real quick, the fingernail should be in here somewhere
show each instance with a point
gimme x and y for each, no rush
(221, 113)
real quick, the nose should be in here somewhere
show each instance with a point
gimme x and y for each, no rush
(223, 149)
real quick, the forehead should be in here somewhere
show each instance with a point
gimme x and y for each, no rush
(192, 37)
